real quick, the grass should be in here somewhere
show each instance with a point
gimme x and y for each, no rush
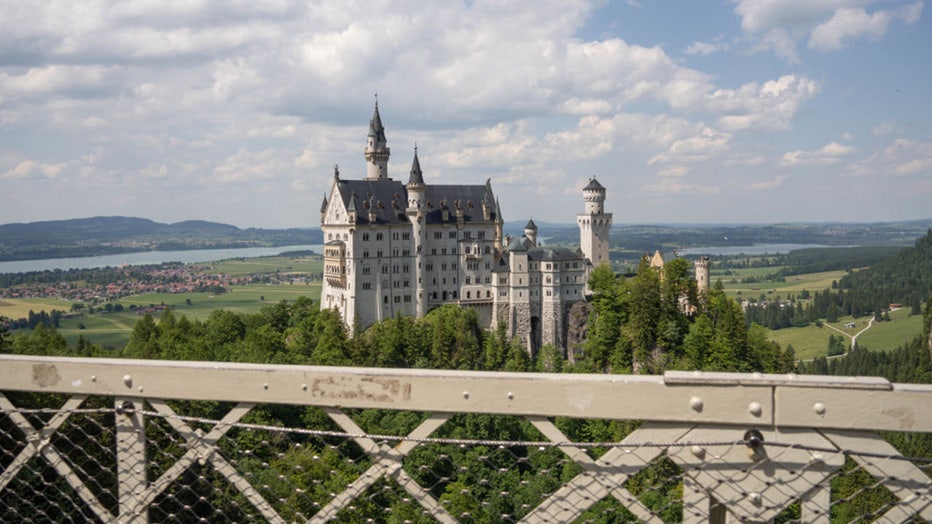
(811, 341)
(113, 329)
(16, 308)
(268, 265)
(793, 285)
(901, 329)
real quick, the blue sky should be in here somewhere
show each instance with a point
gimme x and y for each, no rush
(235, 111)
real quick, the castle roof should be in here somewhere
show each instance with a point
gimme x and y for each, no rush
(594, 185)
(531, 225)
(517, 245)
(551, 254)
(387, 200)
(376, 129)
(417, 177)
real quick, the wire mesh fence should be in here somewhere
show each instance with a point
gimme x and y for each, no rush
(102, 459)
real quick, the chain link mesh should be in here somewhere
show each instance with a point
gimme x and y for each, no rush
(61, 462)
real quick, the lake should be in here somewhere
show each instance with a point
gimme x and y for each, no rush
(757, 249)
(150, 257)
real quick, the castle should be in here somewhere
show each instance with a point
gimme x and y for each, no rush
(394, 248)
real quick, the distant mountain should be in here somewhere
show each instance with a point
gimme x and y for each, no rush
(112, 235)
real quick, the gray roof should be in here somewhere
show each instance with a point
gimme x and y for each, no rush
(389, 199)
(553, 254)
(594, 185)
(376, 129)
(417, 177)
(531, 225)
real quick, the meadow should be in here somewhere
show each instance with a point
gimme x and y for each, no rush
(812, 341)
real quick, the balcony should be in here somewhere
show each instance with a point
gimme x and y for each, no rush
(154, 441)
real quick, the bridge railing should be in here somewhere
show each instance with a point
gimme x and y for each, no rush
(152, 441)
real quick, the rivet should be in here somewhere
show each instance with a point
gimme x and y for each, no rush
(755, 498)
(697, 451)
(140, 389)
(755, 409)
(465, 394)
(695, 403)
(93, 378)
(303, 387)
(819, 408)
(817, 457)
(265, 386)
(128, 381)
(511, 395)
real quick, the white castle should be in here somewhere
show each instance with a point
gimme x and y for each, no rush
(394, 248)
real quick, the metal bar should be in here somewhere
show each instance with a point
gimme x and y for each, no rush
(909, 483)
(131, 460)
(900, 409)
(571, 395)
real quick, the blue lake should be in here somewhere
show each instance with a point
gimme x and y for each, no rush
(150, 257)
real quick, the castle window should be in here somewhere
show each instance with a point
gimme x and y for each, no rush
(397, 299)
(384, 269)
(395, 268)
(366, 270)
(365, 236)
(394, 236)
(467, 234)
(468, 281)
(488, 265)
(453, 266)
(488, 280)
(404, 268)
(385, 299)
(452, 234)
(488, 294)
(394, 252)
(433, 251)
(468, 293)
(482, 235)
(455, 294)
(365, 254)
(443, 251)
(438, 235)
(407, 284)
(378, 253)
(487, 250)
(378, 236)
(407, 298)
(367, 285)
(548, 292)
(430, 267)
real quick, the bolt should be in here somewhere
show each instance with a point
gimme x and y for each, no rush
(93, 378)
(303, 387)
(755, 409)
(465, 394)
(695, 403)
(265, 386)
(511, 395)
(128, 381)
(755, 498)
(697, 451)
(819, 408)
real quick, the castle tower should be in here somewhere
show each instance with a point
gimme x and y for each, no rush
(594, 224)
(702, 274)
(377, 150)
(530, 231)
(416, 213)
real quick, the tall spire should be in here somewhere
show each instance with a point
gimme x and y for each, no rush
(377, 150)
(417, 177)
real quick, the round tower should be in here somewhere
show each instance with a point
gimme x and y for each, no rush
(702, 274)
(416, 214)
(594, 224)
(377, 150)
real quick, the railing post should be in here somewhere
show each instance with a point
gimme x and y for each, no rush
(131, 461)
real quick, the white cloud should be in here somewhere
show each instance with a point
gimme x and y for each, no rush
(779, 25)
(32, 169)
(771, 105)
(676, 186)
(887, 128)
(827, 155)
(847, 24)
(769, 184)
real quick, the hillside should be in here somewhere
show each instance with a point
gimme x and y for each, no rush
(111, 235)
(905, 277)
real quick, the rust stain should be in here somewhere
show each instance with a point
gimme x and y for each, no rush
(45, 375)
(383, 390)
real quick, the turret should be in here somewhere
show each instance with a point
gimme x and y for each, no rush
(377, 150)
(702, 274)
(594, 224)
(416, 213)
(530, 231)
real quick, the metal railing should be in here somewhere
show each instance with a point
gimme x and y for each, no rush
(152, 441)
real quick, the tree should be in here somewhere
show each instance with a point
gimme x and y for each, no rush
(644, 314)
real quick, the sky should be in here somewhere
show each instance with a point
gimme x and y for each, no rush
(236, 111)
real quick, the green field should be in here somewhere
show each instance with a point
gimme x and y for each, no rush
(793, 285)
(113, 329)
(811, 341)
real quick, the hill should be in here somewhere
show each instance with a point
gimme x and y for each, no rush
(905, 277)
(112, 235)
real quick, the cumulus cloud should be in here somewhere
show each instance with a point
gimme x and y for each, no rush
(828, 25)
(769, 184)
(832, 153)
(902, 158)
(32, 169)
(677, 186)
